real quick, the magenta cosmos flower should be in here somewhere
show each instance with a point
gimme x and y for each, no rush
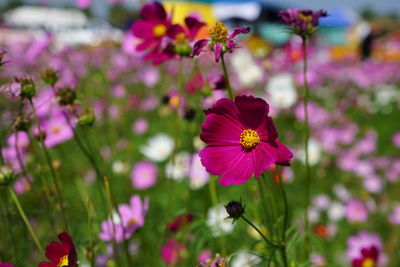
(153, 30)
(220, 41)
(242, 140)
(304, 22)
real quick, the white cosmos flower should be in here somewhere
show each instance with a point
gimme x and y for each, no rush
(248, 72)
(216, 221)
(336, 211)
(177, 167)
(158, 147)
(314, 152)
(281, 91)
(245, 259)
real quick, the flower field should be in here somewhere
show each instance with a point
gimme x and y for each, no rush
(198, 144)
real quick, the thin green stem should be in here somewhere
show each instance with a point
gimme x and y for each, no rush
(25, 219)
(228, 83)
(8, 223)
(259, 232)
(285, 216)
(306, 140)
(52, 171)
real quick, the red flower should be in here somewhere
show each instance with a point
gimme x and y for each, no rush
(242, 140)
(180, 221)
(6, 264)
(304, 22)
(61, 254)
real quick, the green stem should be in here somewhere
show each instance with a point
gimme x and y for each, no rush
(259, 232)
(285, 217)
(25, 219)
(228, 83)
(52, 171)
(306, 136)
(9, 224)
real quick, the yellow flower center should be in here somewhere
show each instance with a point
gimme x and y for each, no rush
(159, 30)
(63, 261)
(132, 222)
(174, 101)
(218, 33)
(368, 262)
(55, 129)
(249, 139)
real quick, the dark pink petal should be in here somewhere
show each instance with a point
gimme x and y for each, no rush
(234, 164)
(217, 51)
(239, 30)
(55, 251)
(193, 25)
(66, 239)
(153, 12)
(230, 44)
(267, 131)
(147, 44)
(264, 158)
(174, 30)
(225, 107)
(252, 110)
(198, 47)
(220, 130)
(143, 29)
(282, 153)
(47, 264)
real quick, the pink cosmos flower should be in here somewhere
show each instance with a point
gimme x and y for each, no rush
(56, 130)
(132, 215)
(122, 227)
(366, 249)
(140, 126)
(23, 185)
(242, 140)
(220, 41)
(396, 139)
(171, 252)
(394, 218)
(144, 175)
(304, 22)
(356, 211)
(6, 264)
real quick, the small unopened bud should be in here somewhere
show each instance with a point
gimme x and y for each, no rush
(6, 175)
(235, 209)
(86, 117)
(50, 76)
(190, 114)
(66, 96)
(183, 50)
(28, 89)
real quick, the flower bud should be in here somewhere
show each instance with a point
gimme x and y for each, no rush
(28, 89)
(235, 209)
(50, 76)
(66, 96)
(6, 175)
(86, 117)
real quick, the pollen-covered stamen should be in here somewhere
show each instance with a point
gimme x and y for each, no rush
(159, 30)
(249, 139)
(63, 261)
(218, 33)
(132, 222)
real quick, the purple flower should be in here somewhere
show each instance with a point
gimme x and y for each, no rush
(220, 41)
(396, 139)
(144, 175)
(304, 22)
(140, 126)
